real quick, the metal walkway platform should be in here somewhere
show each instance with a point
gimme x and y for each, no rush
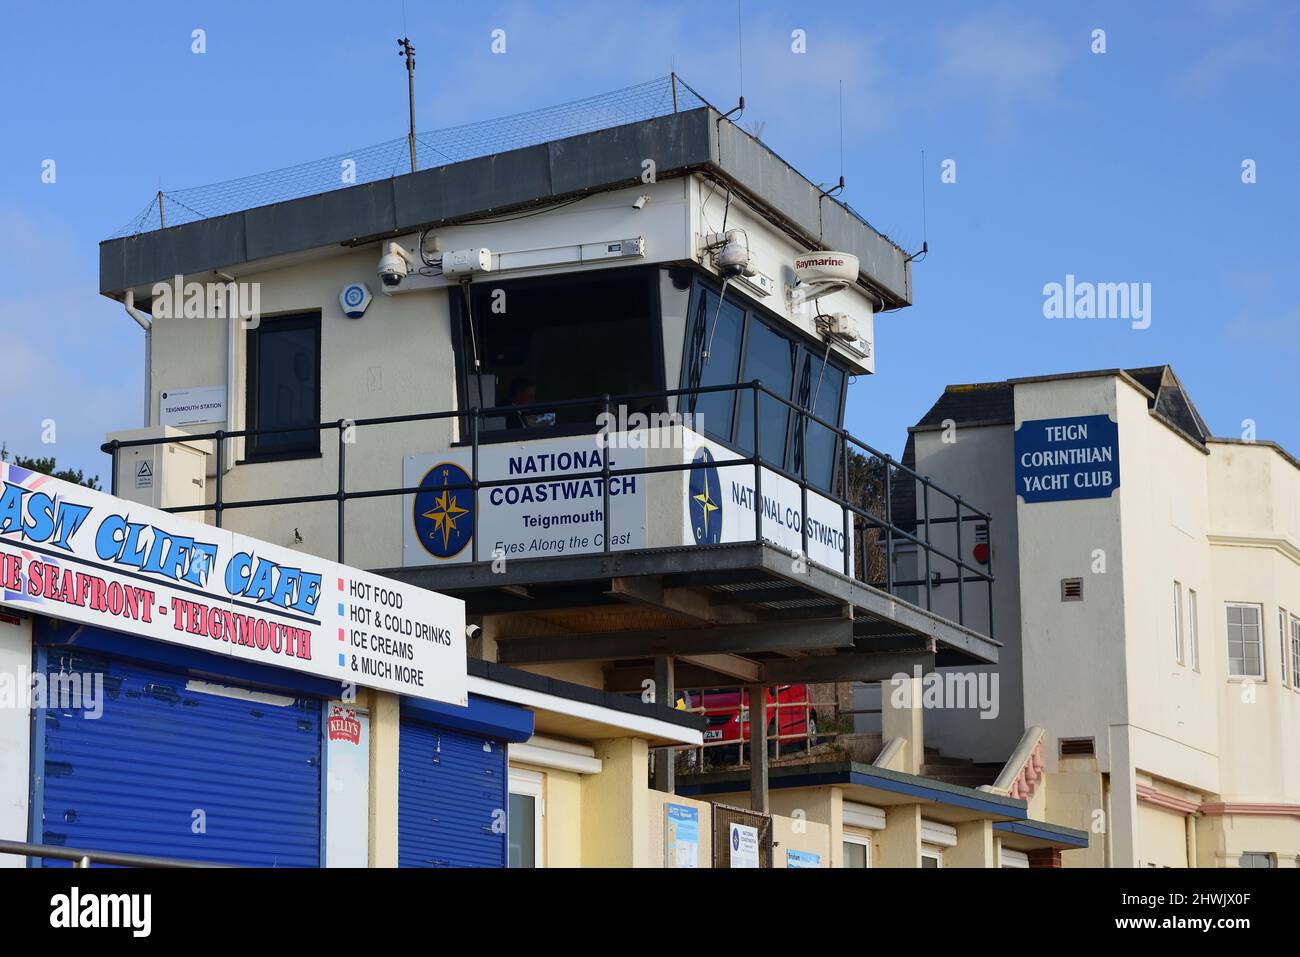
(745, 611)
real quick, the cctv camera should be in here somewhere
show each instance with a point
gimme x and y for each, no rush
(733, 259)
(640, 201)
(472, 631)
(395, 264)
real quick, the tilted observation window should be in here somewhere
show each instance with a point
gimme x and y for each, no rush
(737, 343)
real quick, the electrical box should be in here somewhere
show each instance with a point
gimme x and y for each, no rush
(842, 326)
(464, 262)
(162, 476)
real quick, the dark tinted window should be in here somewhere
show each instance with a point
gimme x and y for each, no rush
(713, 358)
(769, 358)
(821, 386)
(787, 366)
(284, 385)
(547, 340)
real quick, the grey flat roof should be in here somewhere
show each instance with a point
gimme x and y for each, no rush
(693, 141)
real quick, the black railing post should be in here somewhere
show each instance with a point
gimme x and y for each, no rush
(604, 480)
(342, 493)
(844, 442)
(758, 466)
(929, 575)
(961, 569)
(889, 528)
(803, 491)
(988, 568)
(112, 483)
(473, 482)
(221, 472)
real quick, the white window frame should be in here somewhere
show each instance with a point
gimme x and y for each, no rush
(531, 784)
(863, 841)
(1178, 623)
(935, 836)
(1285, 645)
(1295, 652)
(1258, 640)
(1193, 629)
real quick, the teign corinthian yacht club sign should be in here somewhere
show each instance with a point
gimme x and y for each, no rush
(1059, 460)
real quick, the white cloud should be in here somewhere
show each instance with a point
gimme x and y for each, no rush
(1276, 334)
(1005, 58)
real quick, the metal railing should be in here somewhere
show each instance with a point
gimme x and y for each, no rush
(805, 713)
(662, 96)
(80, 857)
(872, 517)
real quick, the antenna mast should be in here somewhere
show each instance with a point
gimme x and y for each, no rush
(408, 51)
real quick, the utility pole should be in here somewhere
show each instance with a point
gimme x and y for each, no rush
(408, 51)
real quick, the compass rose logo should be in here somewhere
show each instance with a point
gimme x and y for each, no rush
(705, 500)
(444, 514)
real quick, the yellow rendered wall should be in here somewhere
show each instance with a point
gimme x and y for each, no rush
(657, 801)
(1221, 839)
(615, 807)
(976, 846)
(1160, 837)
(385, 733)
(1074, 799)
(899, 844)
(801, 834)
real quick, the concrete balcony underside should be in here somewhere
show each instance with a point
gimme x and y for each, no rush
(731, 613)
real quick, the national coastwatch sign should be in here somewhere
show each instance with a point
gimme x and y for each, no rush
(1059, 460)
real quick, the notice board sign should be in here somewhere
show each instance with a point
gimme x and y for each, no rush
(1061, 460)
(681, 836)
(743, 841)
(196, 406)
(741, 837)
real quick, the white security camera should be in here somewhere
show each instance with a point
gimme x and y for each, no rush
(472, 631)
(640, 201)
(733, 259)
(395, 264)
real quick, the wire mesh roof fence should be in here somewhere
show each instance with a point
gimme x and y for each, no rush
(369, 164)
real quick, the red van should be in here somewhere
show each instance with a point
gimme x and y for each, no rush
(727, 713)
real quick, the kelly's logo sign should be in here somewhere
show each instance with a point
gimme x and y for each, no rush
(344, 725)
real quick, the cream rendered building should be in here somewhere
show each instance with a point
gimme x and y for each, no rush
(1151, 625)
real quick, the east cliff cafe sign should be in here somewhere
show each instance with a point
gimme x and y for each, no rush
(81, 555)
(1060, 460)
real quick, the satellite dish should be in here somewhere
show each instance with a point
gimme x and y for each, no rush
(822, 272)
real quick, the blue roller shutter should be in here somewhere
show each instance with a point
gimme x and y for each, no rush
(132, 780)
(451, 793)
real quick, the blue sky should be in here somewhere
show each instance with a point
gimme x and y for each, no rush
(1115, 167)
